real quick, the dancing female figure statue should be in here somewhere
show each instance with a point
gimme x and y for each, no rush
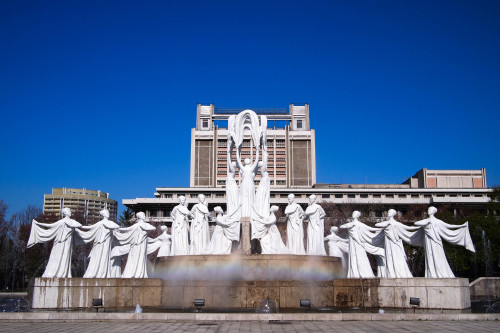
(435, 230)
(226, 231)
(395, 233)
(160, 243)
(360, 239)
(133, 240)
(294, 229)
(315, 228)
(59, 264)
(338, 246)
(199, 232)
(180, 226)
(264, 228)
(247, 187)
(101, 234)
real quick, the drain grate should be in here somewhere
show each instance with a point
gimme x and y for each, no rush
(279, 322)
(207, 324)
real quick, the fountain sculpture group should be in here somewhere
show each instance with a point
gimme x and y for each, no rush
(190, 233)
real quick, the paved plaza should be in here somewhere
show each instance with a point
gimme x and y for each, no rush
(256, 326)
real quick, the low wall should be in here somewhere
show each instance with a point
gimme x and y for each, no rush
(226, 294)
(485, 288)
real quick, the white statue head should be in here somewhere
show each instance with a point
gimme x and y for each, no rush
(391, 213)
(274, 209)
(218, 210)
(356, 214)
(164, 228)
(334, 229)
(66, 212)
(201, 197)
(260, 164)
(247, 161)
(312, 199)
(141, 216)
(233, 164)
(104, 213)
(291, 196)
(182, 199)
(432, 210)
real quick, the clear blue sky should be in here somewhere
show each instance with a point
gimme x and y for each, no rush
(102, 95)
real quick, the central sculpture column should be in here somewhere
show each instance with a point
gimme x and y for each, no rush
(245, 235)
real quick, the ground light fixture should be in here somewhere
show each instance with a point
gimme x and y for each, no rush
(199, 303)
(97, 303)
(305, 303)
(414, 302)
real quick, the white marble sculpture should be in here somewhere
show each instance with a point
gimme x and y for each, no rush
(133, 241)
(226, 231)
(180, 228)
(360, 242)
(294, 228)
(101, 235)
(264, 228)
(315, 228)
(199, 231)
(338, 246)
(394, 233)
(434, 231)
(59, 264)
(232, 191)
(160, 243)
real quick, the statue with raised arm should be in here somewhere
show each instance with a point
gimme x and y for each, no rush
(226, 231)
(338, 246)
(232, 191)
(247, 186)
(264, 228)
(360, 242)
(160, 243)
(133, 241)
(59, 264)
(180, 228)
(434, 231)
(199, 232)
(395, 233)
(315, 228)
(101, 235)
(294, 229)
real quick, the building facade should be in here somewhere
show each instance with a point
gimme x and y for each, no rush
(290, 142)
(88, 202)
(292, 167)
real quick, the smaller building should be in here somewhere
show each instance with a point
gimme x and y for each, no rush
(425, 178)
(88, 202)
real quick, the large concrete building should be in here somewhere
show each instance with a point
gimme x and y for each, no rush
(292, 167)
(290, 142)
(88, 202)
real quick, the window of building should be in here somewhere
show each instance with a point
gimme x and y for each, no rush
(219, 195)
(351, 196)
(389, 195)
(364, 195)
(299, 123)
(204, 123)
(325, 196)
(280, 182)
(338, 196)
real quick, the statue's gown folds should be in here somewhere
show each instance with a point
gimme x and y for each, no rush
(179, 231)
(133, 240)
(100, 263)
(434, 231)
(199, 232)
(338, 247)
(59, 264)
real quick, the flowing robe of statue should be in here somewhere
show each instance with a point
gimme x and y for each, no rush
(315, 230)
(133, 240)
(232, 191)
(59, 264)
(247, 186)
(179, 231)
(338, 247)
(394, 262)
(294, 229)
(434, 231)
(360, 242)
(101, 234)
(199, 232)
(160, 243)
(226, 231)
(264, 228)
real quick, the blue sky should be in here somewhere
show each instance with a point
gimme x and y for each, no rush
(103, 94)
